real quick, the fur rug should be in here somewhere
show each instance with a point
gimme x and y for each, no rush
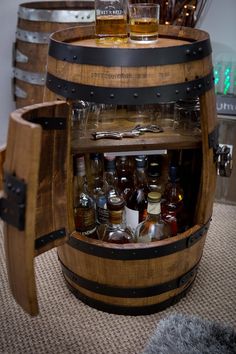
(181, 334)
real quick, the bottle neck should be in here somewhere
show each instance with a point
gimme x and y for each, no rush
(141, 177)
(116, 217)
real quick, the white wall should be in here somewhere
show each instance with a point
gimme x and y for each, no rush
(218, 20)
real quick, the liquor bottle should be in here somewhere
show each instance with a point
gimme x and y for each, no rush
(153, 228)
(96, 174)
(111, 21)
(115, 230)
(136, 204)
(84, 206)
(172, 202)
(154, 174)
(125, 175)
(109, 189)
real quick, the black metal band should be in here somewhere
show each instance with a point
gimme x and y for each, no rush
(52, 123)
(138, 253)
(142, 95)
(129, 292)
(130, 57)
(128, 310)
(52, 236)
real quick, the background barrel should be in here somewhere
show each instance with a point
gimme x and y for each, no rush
(36, 21)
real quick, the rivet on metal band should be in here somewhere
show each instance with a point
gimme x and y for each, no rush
(31, 78)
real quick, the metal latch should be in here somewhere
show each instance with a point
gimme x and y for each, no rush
(224, 162)
(12, 207)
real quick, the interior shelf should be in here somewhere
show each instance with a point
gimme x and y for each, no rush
(145, 142)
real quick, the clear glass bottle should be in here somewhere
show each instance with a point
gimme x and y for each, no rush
(111, 21)
(84, 206)
(136, 204)
(96, 174)
(125, 175)
(154, 173)
(153, 228)
(109, 189)
(172, 201)
(115, 230)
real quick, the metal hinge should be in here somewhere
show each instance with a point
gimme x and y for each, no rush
(224, 161)
(222, 154)
(12, 207)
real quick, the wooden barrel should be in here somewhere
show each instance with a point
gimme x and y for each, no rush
(128, 279)
(137, 278)
(36, 21)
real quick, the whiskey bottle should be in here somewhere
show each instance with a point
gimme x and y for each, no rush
(172, 202)
(109, 189)
(111, 21)
(115, 230)
(136, 204)
(153, 228)
(154, 174)
(125, 175)
(96, 174)
(84, 206)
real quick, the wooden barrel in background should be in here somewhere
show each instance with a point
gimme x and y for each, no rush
(36, 22)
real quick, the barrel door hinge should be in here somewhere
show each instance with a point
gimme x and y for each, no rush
(222, 154)
(12, 206)
(50, 123)
(225, 161)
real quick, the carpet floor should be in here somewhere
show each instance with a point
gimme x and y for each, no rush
(66, 325)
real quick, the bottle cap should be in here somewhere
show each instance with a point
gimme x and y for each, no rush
(154, 197)
(115, 203)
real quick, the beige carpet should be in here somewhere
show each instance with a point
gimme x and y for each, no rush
(66, 325)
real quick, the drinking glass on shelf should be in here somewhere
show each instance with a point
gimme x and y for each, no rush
(79, 116)
(187, 117)
(164, 114)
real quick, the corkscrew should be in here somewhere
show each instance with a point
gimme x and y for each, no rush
(133, 133)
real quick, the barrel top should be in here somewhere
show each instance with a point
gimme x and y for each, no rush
(178, 66)
(175, 45)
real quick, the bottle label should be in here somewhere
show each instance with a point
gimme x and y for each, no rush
(154, 208)
(102, 215)
(85, 220)
(132, 218)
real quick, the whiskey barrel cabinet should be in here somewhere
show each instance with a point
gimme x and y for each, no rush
(125, 279)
